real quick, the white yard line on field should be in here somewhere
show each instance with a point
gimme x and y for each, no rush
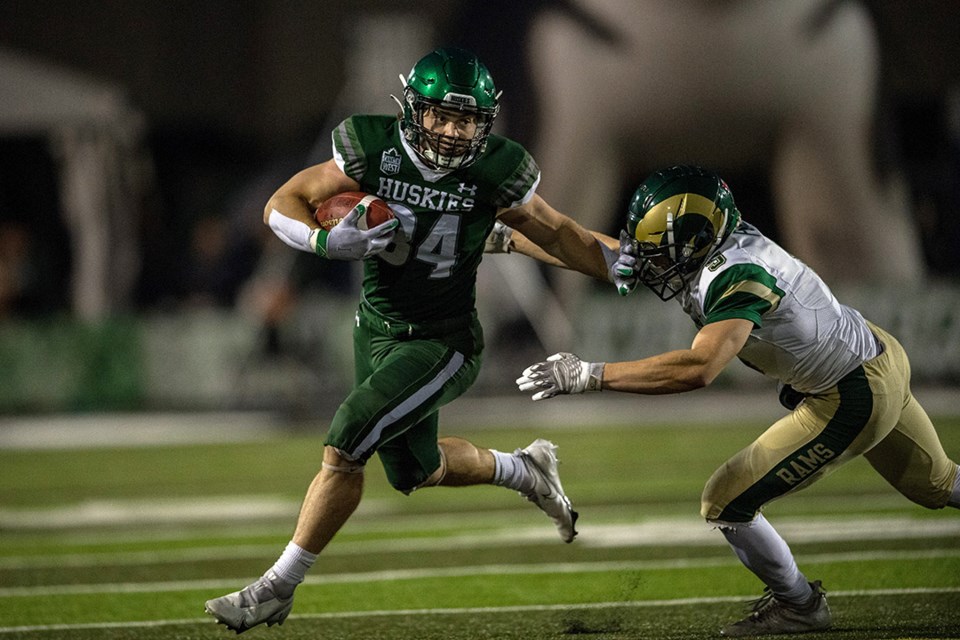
(617, 566)
(105, 513)
(678, 531)
(112, 430)
(678, 602)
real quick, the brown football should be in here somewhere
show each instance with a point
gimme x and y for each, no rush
(334, 209)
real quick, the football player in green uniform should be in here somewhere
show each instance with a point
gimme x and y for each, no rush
(417, 342)
(845, 380)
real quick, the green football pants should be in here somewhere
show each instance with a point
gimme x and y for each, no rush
(403, 376)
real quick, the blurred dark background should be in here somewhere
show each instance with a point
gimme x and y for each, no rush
(210, 105)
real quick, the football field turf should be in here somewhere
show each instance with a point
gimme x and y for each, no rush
(129, 542)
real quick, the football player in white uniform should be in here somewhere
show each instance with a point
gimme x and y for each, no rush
(845, 380)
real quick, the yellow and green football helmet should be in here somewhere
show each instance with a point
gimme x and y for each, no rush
(453, 79)
(676, 220)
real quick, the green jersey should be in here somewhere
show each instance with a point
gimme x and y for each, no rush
(429, 272)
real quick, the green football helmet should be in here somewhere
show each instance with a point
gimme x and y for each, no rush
(677, 219)
(454, 80)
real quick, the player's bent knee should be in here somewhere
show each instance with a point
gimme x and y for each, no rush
(407, 483)
(338, 462)
(709, 512)
(432, 480)
(406, 480)
(926, 496)
(710, 506)
(350, 467)
(719, 502)
(717, 509)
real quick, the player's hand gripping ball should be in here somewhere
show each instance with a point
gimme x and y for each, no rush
(334, 209)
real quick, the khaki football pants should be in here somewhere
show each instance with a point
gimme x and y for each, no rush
(870, 412)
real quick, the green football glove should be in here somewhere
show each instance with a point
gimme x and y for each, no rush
(623, 273)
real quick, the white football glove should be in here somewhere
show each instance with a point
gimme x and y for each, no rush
(623, 273)
(561, 373)
(499, 239)
(347, 241)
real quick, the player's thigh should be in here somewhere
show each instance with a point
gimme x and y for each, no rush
(749, 478)
(811, 441)
(409, 381)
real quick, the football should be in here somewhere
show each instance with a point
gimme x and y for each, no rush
(335, 209)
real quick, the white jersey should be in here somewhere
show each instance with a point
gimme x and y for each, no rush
(802, 336)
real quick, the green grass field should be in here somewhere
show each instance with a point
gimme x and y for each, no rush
(130, 542)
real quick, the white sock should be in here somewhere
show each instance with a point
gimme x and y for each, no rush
(292, 566)
(510, 471)
(762, 550)
(954, 500)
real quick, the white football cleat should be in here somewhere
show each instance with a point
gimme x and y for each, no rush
(540, 459)
(254, 604)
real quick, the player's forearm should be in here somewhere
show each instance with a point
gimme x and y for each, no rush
(291, 219)
(519, 243)
(575, 247)
(671, 372)
(558, 236)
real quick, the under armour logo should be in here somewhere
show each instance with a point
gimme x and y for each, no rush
(463, 188)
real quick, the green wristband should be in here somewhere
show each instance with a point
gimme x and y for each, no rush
(321, 246)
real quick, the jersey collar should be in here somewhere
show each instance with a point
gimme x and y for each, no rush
(429, 174)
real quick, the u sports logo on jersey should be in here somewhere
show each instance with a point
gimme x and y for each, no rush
(390, 161)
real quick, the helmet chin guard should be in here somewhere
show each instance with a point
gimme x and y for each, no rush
(454, 81)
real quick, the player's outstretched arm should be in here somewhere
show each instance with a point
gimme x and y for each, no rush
(504, 239)
(621, 267)
(714, 346)
(551, 237)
